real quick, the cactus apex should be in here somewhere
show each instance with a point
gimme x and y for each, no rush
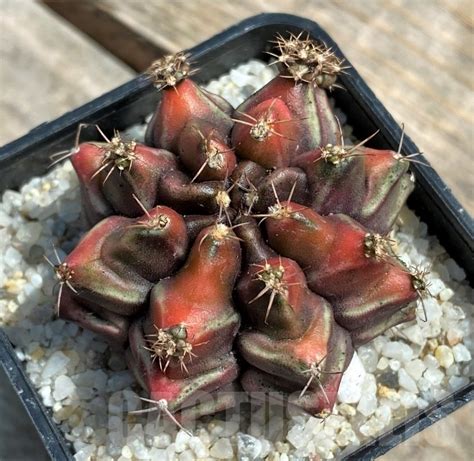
(305, 60)
(169, 70)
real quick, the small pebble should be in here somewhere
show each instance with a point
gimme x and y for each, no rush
(415, 368)
(406, 381)
(444, 356)
(352, 382)
(397, 350)
(461, 353)
(222, 449)
(434, 376)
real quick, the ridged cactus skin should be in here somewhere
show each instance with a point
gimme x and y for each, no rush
(292, 335)
(300, 114)
(110, 172)
(377, 182)
(113, 268)
(191, 324)
(182, 104)
(161, 272)
(364, 284)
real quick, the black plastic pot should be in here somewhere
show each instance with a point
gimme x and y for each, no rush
(133, 101)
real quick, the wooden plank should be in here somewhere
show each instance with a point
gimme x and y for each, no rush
(448, 439)
(124, 43)
(47, 68)
(416, 56)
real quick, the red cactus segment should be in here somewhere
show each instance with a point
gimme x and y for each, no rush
(86, 162)
(263, 134)
(180, 393)
(111, 173)
(271, 297)
(376, 182)
(313, 123)
(204, 154)
(189, 299)
(360, 278)
(187, 335)
(293, 334)
(319, 383)
(184, 103)
(110, 272)
(311, 364)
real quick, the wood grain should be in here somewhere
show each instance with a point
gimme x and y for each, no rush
(417, 56)
(448, 439)
(47, 68)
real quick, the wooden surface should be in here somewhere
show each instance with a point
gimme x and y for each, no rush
(416, 55)
(447, 440)
(47, 67)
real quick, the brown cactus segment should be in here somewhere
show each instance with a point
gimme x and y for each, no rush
(113, 327)
(189, 330)
(112, 269)
(205, 155)
(314, 382)
(377, 181)
(255, 189)
(307, 362)
(291, 328)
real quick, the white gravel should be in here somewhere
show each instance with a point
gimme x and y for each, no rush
(89, 390)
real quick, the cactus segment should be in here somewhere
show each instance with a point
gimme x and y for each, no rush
(181, 104)
(109, 179)
(362, 290)
(376, 181)
(206, 156)
(312, 120)
(184, 342)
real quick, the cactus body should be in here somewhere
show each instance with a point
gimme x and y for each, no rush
(293, 334)
(113, 268)
(184, 103)
(318, 277)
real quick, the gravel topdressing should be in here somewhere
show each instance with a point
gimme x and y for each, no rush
(89, 390)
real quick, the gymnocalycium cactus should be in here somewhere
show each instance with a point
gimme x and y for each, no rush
(161, 270)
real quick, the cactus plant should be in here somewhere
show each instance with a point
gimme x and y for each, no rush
(162, 264)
